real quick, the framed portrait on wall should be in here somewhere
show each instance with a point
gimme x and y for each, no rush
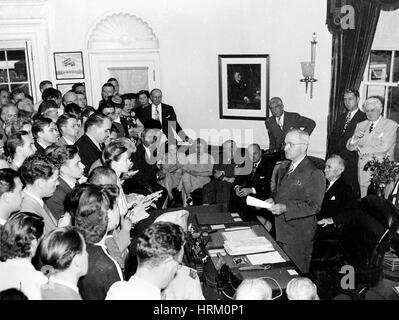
(69, 65)
(244, 86)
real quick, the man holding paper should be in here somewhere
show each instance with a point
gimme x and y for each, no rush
(297, 200)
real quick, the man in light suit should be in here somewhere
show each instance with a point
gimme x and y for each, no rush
(68, 128)
(40, 175)
(163, 113)
(344, 127)
(281, 122)
(297, 200)
(373, 137)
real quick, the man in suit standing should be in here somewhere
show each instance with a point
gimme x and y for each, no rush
(344, 127)
(297, 200)
(256, 184)
(373, 137)
(163, 113)
(90, 145)
(339, 203)
(68, 127)
(71, 170)
(281, 122)
(45, 132)
(40, 175)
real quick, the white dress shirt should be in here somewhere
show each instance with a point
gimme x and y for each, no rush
(134, 289)
(154, 111)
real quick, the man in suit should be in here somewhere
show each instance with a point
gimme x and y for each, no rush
(281, 122)
(339, 203)
(40, 175)
(297, 200)
(112, 110)
(163, 113)
(45, 132)
(71, 170)
(344, 127)
(256, 184)
(90, 145)
(19, 146)
(145, 180)
(373, 137)
(68, 127)
(10, 194)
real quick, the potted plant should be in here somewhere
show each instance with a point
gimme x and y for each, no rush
(383, 173)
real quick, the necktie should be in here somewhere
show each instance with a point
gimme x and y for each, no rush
(279, 122)
(347, 121)
(327, 185)
(371, 127)
(395, 196)
(156, 113)
(291, 169)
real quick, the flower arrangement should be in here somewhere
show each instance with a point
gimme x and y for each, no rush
(382, 171)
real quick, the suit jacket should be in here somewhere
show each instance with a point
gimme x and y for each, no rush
(339, 203)
(101, 275)
(88, 152)
(147, 172)
(337, 140)
(380, 142)
(56, 202)
(258, 179)
(61, 142)
(31, 205)
(168, 114)
(39, 148)
(302, 192)
(291, 120)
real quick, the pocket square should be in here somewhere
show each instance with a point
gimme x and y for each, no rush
(262, 177)
(332, 198)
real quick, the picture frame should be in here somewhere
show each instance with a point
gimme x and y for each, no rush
(69, 65)
(64, 87)
(244, 86)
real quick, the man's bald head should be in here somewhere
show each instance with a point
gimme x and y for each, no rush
(70, 97)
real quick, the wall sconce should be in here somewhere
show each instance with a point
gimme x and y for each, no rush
(308, 67)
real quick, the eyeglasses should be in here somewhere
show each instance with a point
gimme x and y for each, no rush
(290, 144)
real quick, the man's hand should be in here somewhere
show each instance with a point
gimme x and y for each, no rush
(278, 209)
(325, 222)
(243, 192)
(218, 174)
(65, 220)
(231, 180)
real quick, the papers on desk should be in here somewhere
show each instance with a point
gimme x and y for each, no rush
(265, 258)
(247, 246)
(237, 234)
(254, 202)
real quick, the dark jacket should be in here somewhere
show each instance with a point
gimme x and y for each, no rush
(291, 120)
(56, 202)
(88, 152)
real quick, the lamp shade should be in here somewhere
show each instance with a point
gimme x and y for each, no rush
(307, 69)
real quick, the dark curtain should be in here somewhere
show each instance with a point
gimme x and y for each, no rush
(351, 47)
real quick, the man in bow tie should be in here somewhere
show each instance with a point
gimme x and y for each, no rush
(373, 137)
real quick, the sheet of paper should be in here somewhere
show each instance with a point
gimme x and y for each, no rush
(235, 215)
(237, 220)
(265, 258)
(292, 272)
(214, 252)
(239, 234)
(217, 226)
(254, 202)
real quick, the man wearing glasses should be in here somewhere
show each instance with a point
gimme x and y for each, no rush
(281, 122)
(159, 252)
(300, 189)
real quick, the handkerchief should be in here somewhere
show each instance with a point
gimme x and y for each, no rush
(333, 198)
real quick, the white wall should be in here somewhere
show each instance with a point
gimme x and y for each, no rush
(192, 33)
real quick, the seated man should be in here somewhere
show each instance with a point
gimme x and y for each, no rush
(339, 203)
(256, 184)
(68, 127)
(71, 170)
(145, 181)
(253, 289)
(218, 190)
(301, 289)
(19, 146)
(10, 194)
(49, 109)
(159, 252)
(40, 175)
(45, 132)
(9, 113)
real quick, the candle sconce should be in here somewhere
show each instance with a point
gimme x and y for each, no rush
(308, 67)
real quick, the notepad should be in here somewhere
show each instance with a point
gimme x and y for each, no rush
(265, 258)
(254, 202)
(239, 234)
(247, 246)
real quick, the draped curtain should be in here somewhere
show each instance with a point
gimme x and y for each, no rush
(351, 47)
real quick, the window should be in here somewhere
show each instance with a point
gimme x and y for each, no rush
(14, 68)
(381, 78)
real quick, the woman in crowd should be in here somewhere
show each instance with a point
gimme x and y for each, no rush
(63, 256)
(18, 243)
(96, 215)
(196, 172)
(134, 125)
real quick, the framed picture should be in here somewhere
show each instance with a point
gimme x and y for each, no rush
(68, 65)
(244, 86)
(64, 87)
